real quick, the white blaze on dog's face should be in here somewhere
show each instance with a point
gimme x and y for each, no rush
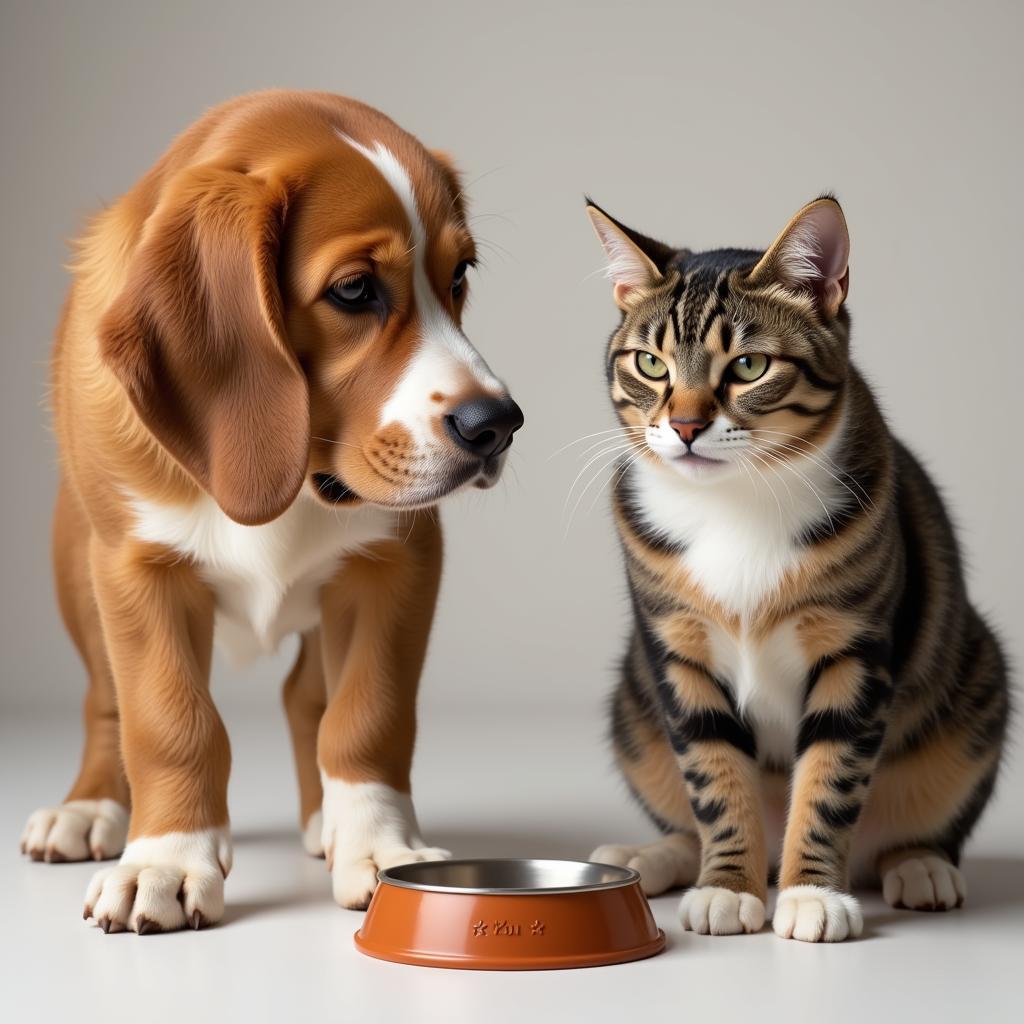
(403, 408)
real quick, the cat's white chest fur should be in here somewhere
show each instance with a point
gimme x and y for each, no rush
(767, 675)
(266, 579)
(737, 542)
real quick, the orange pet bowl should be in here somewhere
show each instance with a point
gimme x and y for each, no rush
(509, 915)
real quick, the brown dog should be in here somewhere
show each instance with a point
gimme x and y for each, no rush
(261, 388)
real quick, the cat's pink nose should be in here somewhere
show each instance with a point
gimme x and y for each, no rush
(688, 429)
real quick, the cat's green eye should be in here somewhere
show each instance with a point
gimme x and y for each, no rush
(750, 367)
(651, 366)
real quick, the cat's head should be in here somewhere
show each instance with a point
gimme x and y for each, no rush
(732, 359)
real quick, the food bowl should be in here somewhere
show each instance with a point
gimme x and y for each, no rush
(509, 915)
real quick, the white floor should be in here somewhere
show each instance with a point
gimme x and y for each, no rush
(519, 782)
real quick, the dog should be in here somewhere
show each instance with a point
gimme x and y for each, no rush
(261, 389)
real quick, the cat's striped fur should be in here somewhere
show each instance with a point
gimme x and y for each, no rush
(804, 656)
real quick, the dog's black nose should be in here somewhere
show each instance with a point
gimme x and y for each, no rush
(484, 426)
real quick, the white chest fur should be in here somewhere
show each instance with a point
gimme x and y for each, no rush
(738, 537)
(767, 676)
(266, 579)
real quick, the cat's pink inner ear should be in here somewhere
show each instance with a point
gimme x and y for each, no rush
(812, 254)
(630, 270)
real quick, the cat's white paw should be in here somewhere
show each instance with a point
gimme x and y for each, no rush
(710, 910)
(927, 882)
(662, 865)
(367, 827)
(76, 830)
(163, 883)
(814, 913)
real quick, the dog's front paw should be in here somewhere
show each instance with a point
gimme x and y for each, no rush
(709, 910)
(813, 913)
(313, 835)
(76, 830)
(163, 883)
(368, 827)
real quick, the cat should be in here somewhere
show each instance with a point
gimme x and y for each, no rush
(804, 663)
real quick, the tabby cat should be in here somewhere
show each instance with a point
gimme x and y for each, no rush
(805, 673)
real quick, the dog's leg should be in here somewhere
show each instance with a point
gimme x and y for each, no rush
(305, 697)
(375, 618)
(158, 619)
(92, 822)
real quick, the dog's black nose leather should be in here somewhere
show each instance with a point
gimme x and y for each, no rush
(484, 426)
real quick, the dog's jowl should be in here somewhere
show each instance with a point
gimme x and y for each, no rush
(261, 389)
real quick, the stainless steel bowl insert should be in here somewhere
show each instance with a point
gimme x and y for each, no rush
(508, 877)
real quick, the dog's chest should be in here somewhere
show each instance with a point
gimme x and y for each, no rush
(266, 579)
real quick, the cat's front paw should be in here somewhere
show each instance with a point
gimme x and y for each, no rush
(709, 910)
(814, 913)
(924, 883)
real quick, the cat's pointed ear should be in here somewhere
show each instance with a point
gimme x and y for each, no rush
(811, 256)
(636, 263)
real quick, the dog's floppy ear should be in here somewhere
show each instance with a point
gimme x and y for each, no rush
(197, 339)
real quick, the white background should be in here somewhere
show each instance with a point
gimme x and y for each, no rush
(706, 124)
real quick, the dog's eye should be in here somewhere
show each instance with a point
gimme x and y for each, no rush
(459, 279)
(353, 292)
(750, 367)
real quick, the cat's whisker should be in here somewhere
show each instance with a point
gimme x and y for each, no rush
(823, 454)
(616, 476)
(590, 483)
(822, 457)
(755, 450)
(597, 444)
(745, 465)
(615, 452)
(787, 465)
(767, 483)
(613, 448)
(820, 465)
(596, 433)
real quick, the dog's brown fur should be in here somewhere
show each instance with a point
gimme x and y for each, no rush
(196, 355)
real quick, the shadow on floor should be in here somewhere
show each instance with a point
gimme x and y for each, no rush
(494, 842)
(994, 881)
(463, 842)
(277, 903)
(995, 884)
(276, 835)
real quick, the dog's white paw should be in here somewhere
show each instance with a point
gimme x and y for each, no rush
(927, 882)
(367, 827)
(163, 883)
(709, 910)
(664, 864)
(814, 913)
(313, 835)
(76, 830)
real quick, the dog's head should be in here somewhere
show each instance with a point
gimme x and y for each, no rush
(292, 315)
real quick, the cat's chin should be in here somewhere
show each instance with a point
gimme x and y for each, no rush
(696, 467)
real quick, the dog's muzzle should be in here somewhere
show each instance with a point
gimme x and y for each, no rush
(484, 426)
